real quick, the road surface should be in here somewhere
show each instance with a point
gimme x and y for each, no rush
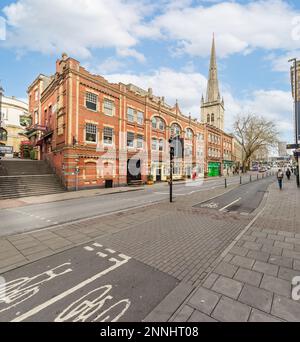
(244, 199)
(84, 284)
(38, 216)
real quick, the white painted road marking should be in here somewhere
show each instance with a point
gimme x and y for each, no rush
(37, 309)
(19, 290)
(97, 244)
(89, 249)
(230, 204)
(210, 205)
(111, 251)
(91, 304)
(102, 255)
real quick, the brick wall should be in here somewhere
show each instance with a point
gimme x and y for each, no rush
(63, 109)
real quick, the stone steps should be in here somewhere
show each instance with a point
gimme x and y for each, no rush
(20, 178)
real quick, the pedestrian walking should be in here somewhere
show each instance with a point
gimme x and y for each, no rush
(288, 174)
(280, 178)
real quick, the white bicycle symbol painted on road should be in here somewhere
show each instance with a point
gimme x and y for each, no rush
(93, 306)
(19, 290)
(89, 308)
(210, 205)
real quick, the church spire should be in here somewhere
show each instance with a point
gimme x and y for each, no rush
(213, 93)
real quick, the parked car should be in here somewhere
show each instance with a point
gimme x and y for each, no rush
(263, 169)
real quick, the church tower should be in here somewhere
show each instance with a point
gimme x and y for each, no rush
(212, 107)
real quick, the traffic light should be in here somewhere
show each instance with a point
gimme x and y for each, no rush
(172, 152)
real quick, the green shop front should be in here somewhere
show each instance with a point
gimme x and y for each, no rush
(214, 169)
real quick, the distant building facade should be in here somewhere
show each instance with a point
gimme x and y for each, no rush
(101, 134)
(238, 155)
(282, 151)
(261, 155)
(14, 120)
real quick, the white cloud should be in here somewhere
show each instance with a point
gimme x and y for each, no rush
(240, 28)
(107, 66)
(126, 52)
(185, 87)
(78, 26)
(274, 105)
(281, 63)
(74, 26)
(2, 29)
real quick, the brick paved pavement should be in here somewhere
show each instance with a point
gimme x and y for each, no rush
(251, 283)
(17, 250)
(254, 281)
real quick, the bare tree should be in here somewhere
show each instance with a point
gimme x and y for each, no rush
(254, 133)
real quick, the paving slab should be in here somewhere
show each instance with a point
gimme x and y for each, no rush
(288, 273)
(286, 309)
(200, 317)
(229, 310)
(226, 269)
(257, 298)
(264, 267)
(228, 287)
(243, 261)
(281, 261)
(257, 255)
(248, 277)
(261, 317)
(276, 285)
(184, 314)
(204, 300)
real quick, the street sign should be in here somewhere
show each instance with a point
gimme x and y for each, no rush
(6, 149)
(292, 146)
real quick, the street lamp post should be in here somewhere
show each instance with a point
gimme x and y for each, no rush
(294, 60)
(172, 152)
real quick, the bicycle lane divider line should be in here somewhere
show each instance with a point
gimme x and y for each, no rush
(230, 204)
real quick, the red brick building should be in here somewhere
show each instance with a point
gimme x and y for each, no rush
(96, 134)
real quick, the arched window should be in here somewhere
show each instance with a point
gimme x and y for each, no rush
(3, 134)
(212, 118)
(189, 134)
(161, 125)
(175, 130)
(208, 118)
(154, 123)
(158, 123)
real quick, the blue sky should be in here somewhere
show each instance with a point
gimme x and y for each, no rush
(164, 45)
